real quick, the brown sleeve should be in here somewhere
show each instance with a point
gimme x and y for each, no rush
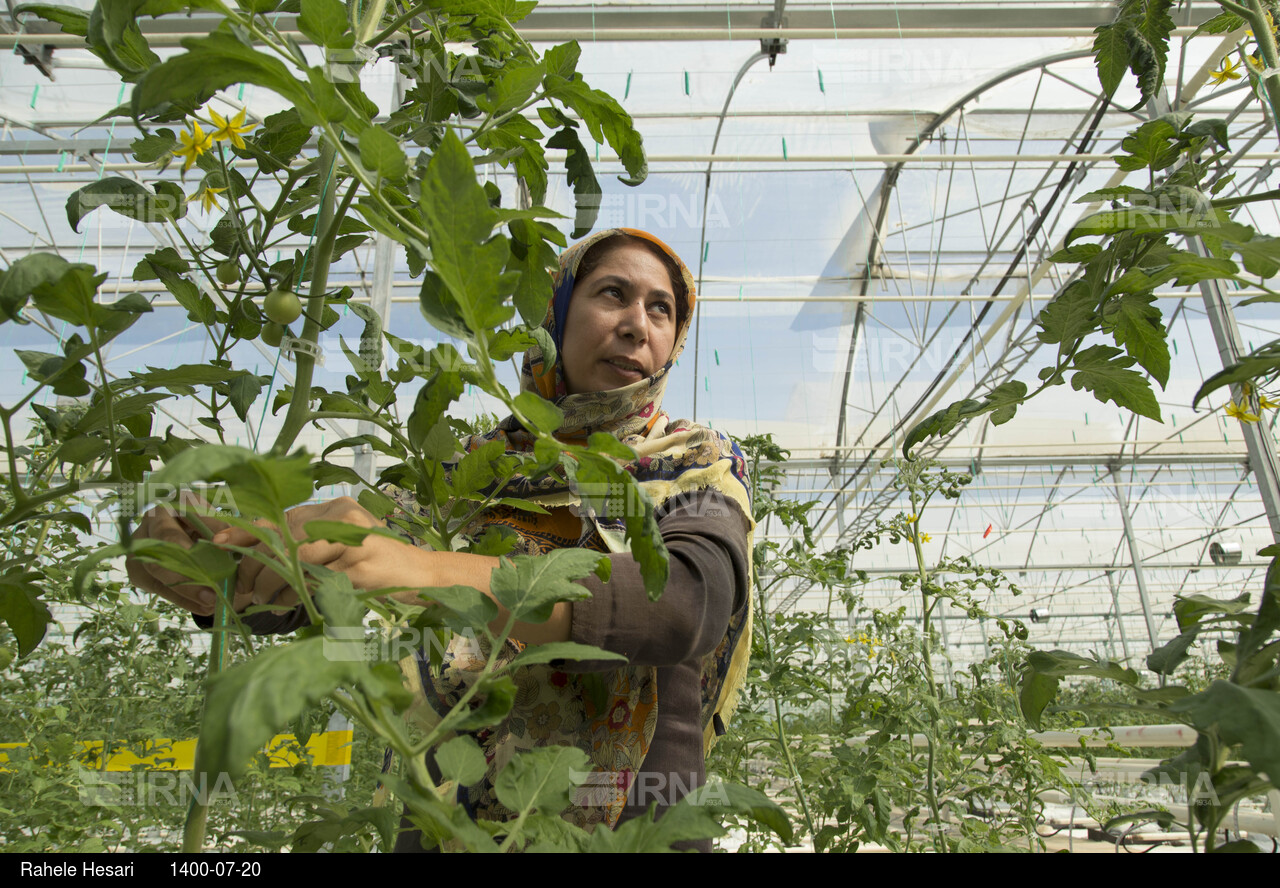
(706, 538)
(266, 622)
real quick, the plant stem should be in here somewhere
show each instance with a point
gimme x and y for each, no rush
(385, 424)
(1228, 202)
(26, 505)
(327, 225)
(242, 237)
(491, 122)
(1230, 6)
(925, 641)
(15, 488)
(409, 16)
(1271, 59)
(444, 726)
(193, 830)
(377, 9)
(356, 170)
(781, 736)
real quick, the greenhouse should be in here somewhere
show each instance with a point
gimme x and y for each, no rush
(903, 477)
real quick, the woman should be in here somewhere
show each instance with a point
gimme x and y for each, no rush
(619, 317)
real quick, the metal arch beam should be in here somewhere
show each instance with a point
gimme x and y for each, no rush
(1138, 574)
(1008, 313)
(706, 197)
(1119, 617)
(886, 190)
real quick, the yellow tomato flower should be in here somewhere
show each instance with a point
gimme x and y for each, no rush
(1266, 403)
(925, 537)
(230, 130)
(1240, 413)
(1228, 72)
(1255, 62)
(194, 144)
(911, 518)
(208, 198)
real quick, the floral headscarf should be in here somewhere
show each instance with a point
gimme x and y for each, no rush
(623, 411)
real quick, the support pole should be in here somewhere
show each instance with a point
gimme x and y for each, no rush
(365, 462)
(1115, 601)
(946, 645)
(1137, 559)
(337, 776)
(1257, 436)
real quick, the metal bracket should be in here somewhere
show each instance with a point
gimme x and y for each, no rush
(773, 45)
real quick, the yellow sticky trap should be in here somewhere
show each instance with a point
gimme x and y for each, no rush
(329, 748)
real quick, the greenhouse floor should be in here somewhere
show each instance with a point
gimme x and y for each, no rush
(1076, 841)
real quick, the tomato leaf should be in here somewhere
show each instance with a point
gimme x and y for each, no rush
(22, 609)
(1138, 326)
(529, 587)
(1105, 372)
(469, 262)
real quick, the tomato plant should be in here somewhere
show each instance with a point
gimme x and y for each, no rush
(1177, 229)
(408, 180)
(838, 695)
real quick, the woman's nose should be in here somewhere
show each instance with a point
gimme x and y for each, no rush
(634, 323)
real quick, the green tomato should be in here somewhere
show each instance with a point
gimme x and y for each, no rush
(282, 306)
(228, 273)
(273, 334)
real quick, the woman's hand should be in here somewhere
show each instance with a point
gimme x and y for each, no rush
(258, 584)
(181, 526)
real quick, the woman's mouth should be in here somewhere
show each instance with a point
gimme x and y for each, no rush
(629, 369)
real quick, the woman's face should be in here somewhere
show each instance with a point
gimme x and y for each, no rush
(621, 325)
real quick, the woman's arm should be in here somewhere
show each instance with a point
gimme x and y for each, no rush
(704, 532)
(410, 566)
(706, 537)
(380, 562)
